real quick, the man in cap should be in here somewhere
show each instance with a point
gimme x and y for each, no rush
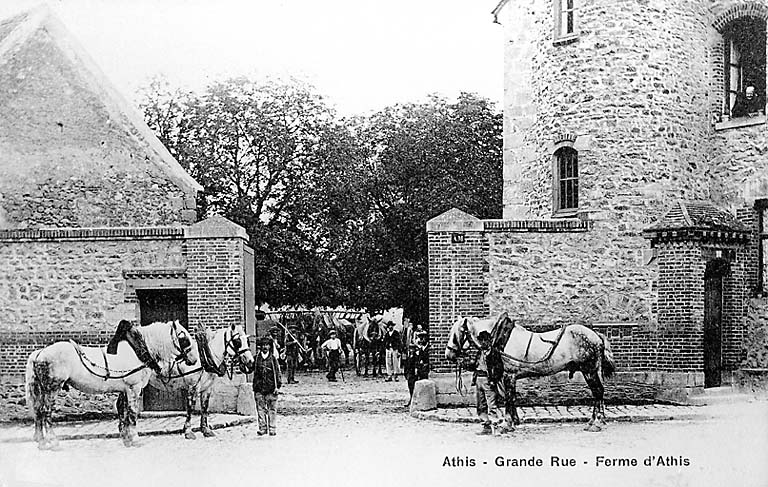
(485, 380)
(332, 348)
(266, 385)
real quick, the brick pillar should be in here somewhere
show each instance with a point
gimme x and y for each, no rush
(458, 250)
(216, 276)
(680, 306)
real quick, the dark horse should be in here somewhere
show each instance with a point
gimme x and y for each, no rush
(574, 348)
(368, 345)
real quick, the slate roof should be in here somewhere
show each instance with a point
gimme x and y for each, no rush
(699, 215)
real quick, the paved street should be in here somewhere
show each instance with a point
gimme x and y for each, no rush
(348, 445)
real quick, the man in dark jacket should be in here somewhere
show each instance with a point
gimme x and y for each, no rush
(417, 363)
(266, 385)
(486, 380)
(392, 346)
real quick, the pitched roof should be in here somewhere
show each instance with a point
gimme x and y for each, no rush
(20, 31)
(700, 215)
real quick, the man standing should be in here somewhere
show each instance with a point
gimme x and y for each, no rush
(417, 363)
(392, 352)
(332, 348)
(266, 385)
(291, 354)
(485, 381)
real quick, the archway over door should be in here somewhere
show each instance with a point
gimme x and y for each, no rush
(713, 319)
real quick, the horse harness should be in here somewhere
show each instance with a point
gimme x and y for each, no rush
(184, 345)
(502, 332)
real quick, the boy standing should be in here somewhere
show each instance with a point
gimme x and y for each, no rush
(266, 385)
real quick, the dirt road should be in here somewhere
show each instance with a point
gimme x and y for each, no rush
(392, 449)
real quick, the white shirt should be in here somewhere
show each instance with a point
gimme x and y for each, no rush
(332, 344)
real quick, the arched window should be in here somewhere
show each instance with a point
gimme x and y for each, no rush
(566, 169)
(744, 67)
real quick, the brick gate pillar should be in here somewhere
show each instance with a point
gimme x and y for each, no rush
(458, 249)
(217, 280)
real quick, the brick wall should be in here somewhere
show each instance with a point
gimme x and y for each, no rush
(215, 282)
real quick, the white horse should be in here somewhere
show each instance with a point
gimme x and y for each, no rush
(92, 370)
(574, 348)
(214, 348)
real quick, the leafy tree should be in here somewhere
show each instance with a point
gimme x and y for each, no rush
(260, 151)
(420, 160)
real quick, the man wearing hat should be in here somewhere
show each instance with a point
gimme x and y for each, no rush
(332, 348)
(266, 385)
(486, 379)
(417, 362)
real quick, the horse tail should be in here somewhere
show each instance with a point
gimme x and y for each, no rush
(608, 362)
(38, 382)
(29, 386)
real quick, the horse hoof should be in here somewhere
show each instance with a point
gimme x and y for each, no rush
(189, 435)
(208, 433)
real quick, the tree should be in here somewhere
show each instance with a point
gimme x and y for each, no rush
(419, 161)
(260, 150)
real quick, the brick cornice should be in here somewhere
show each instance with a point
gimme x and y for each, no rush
(695, 234)
(87, 234)
(543, 226)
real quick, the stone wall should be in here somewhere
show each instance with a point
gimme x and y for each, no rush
(58, 288)
(71, 156)
(756, 339)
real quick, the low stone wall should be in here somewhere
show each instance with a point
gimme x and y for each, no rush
(632, 387)
(69, 404)
(229, 396)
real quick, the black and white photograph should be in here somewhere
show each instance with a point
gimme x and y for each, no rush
(364, 243)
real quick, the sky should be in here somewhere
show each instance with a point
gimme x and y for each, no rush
(362, 55)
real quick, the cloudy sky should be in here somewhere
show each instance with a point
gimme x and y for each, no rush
(361, 54)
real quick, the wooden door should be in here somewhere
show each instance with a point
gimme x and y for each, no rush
(162, 305)
(713, 313)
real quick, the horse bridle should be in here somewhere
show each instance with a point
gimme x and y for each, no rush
(235, 342)
(458, 346)
(183, 343)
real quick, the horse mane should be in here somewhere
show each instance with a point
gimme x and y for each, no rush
(120, 334)
(158, 339)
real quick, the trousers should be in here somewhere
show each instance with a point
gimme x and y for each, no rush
(266, 409)
(393, 362)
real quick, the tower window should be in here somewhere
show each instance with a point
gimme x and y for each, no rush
(566, 181)
(744, 67)
(565, 19)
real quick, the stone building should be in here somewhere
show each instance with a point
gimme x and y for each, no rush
(635, 187)
(97, 219)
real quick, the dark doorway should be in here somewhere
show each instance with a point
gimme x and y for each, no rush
(162, 305)
(713, 317)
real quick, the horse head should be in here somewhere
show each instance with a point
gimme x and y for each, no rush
(183, 344)
(458, 339)
(236, 345)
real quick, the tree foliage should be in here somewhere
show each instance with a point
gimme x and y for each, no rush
(336, 209)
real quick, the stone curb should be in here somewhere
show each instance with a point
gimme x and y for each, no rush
(436, 415)
(149, 432)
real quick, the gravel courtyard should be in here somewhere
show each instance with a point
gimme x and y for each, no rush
(379, 444)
